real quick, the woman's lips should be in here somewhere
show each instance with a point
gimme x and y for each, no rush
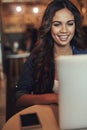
(63, 37)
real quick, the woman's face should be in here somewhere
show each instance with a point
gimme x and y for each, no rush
(63, 27)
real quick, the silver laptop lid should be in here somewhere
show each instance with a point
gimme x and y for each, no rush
(72, 71)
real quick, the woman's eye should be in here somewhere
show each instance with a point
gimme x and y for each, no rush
(56, 24)
(70, 24)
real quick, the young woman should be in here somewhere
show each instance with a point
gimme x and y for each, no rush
(59, 34)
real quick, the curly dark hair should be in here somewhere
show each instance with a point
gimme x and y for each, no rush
(44, 67)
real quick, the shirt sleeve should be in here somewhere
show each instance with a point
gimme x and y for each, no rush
(26, 82)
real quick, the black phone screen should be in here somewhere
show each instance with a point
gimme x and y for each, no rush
(30, 120)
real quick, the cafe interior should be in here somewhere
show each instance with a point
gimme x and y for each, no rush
(15, 17)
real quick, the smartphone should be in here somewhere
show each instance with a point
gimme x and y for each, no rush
(30, 120)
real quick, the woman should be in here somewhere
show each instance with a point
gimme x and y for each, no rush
(59, 34)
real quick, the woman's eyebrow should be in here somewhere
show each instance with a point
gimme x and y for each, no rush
(71, 20)
(60, 21)
(56, 21)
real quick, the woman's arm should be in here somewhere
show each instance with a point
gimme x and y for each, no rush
(32, 99)
(24, 89)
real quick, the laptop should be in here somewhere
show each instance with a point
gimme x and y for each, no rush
(72, 72)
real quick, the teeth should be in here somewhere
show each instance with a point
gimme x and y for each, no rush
(63, 37)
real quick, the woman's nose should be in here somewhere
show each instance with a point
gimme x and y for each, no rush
(63, 28)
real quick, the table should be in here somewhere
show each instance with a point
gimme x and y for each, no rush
(15, 62)
(22, 55)
(45, 113)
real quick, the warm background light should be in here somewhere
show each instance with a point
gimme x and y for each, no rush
(18, 8)
(35, 10)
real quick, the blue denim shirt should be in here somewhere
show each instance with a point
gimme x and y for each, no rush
(76, 51)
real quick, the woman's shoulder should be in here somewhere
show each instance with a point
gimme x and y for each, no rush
(78, 51)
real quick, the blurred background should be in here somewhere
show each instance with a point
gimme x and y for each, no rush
(19, 23)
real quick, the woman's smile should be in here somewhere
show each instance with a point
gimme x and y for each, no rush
(63, 37)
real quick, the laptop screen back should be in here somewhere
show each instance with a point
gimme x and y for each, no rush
(72, 71)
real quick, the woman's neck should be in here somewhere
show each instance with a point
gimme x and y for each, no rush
(62, 50)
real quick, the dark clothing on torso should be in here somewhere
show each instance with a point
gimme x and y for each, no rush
(26, 82)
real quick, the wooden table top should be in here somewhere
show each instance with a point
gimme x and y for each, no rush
(47, 115)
